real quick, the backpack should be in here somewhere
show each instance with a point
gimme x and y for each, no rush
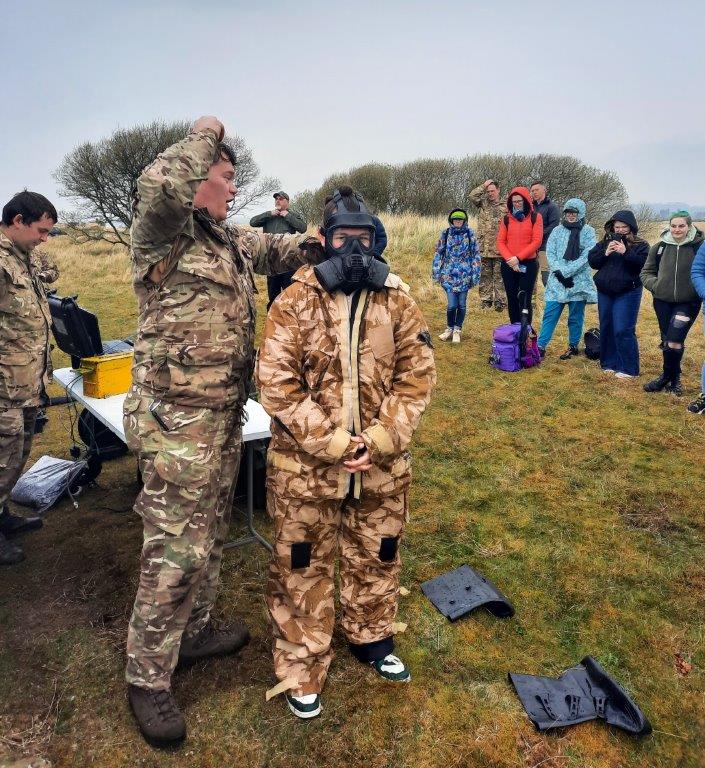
(514, 345)
(591, 339)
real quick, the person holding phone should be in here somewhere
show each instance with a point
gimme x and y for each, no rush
(570, 278)
(619, 258)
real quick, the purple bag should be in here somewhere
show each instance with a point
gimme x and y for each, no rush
(507, 353)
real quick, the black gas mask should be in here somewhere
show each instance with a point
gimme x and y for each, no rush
(352, 265)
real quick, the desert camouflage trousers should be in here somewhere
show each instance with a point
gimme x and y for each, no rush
(491, 283)
(16, 433)
(188, 458)
(301, 589)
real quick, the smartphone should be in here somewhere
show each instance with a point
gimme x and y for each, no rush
(522, 268)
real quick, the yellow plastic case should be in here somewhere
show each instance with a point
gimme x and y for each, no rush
(107, 375)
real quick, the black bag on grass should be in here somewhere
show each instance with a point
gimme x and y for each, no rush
(591, 339)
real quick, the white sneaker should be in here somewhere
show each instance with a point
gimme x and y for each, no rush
(392, 668)
(456, 336)
(446, 334)
(304, 706)
(620, 375)
(608, 370)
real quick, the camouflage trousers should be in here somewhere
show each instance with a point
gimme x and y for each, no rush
(188, 459)
(301, 589)
(16, 434)
(491, 283)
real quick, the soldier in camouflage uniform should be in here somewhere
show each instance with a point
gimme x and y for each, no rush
(490, 209)
(346, 374)
(44, 266)
(25, 355)
(193, 361)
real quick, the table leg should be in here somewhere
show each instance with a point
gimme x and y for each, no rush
(255, 537)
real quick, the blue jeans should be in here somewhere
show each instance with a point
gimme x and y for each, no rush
(456, 308)
(619, 349)
(551, 314)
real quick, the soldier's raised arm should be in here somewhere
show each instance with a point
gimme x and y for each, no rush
(273, 254)
(165, 191)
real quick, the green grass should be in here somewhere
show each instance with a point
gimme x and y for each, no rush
(581, 496)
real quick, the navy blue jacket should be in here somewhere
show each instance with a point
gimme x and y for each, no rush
(551, 218)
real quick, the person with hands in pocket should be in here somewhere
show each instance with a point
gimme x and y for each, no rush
(345, 370)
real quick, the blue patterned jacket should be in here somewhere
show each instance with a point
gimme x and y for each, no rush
(456, 263)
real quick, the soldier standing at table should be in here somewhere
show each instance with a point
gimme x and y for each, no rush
(25, 354)
(193, 277)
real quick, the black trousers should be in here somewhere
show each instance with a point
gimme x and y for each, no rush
(519, 287)
(276, 284)
(672, 329)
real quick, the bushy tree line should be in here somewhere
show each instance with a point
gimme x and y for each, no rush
(99, 177)
(430, 186)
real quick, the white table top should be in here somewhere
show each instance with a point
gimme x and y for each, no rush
(108, 410)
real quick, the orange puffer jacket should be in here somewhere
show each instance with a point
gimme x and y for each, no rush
(521, 238)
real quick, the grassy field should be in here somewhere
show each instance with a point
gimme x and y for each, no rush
(580, 495)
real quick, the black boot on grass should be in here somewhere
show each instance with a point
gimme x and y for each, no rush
(157, 715)
(570, 352)
(10, 554)
(657, 385)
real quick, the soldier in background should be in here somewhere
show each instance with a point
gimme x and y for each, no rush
(193, 362)
(280, 220)
(44, 266)
(346, 370)
(490, 209)
(25, 355)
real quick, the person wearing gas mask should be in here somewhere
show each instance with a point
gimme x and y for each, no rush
(346, 370)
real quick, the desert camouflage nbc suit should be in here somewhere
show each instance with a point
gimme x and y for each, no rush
(193, 362)
(331, 366)
(25, 359)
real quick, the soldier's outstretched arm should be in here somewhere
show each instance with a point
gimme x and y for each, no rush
(165, 192)
(272, 254)
(414, 379)
(279, 378)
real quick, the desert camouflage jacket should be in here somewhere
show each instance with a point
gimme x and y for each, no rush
(489, 215)
(25, 354)
(196, 325)
(329, 367)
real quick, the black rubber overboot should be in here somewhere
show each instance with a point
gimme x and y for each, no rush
(157, 715)
(10, 554)
(211, 641)
(15, 525)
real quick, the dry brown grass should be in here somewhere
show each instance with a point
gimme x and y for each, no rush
(578, 494)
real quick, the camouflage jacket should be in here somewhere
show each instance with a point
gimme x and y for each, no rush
(327, 370)
(45, 266)
(489, 215)
(194, 344)
(25, 354)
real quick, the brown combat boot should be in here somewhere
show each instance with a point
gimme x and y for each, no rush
(157, 715)
(211, 641)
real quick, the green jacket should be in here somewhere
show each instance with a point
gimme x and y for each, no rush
(279, 225)
(666, 273)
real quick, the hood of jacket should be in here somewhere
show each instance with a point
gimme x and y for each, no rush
(694, 235)
(457, 210)
(626, 217)
(528, 202)
(578, 204)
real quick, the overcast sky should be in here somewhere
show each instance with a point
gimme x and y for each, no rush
(317, 87)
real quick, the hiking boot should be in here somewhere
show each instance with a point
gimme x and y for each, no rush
(10, 554)
(570, 352)
(486, 305)
(542, 352)
(446, 334)
(306, 706)
(675, 387)
(14, 525)
(657, 385)
(157, 716)
(698, 405)
(392, 668)
(499, 307)
(456, 336)
(213, 642)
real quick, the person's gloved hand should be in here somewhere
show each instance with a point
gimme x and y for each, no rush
(565, 281)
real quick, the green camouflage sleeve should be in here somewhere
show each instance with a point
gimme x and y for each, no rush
(44, 266)
(282, 395)
(414, 379)
(272, 254)
(165, 192)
